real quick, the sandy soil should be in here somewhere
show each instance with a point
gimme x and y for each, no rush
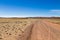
(44, 30)
(14, 29)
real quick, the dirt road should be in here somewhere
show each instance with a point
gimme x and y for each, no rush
(44, 30)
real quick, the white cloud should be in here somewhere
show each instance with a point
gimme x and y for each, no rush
(54, 11)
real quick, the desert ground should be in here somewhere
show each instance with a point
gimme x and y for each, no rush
(45, 30)
(29, 29)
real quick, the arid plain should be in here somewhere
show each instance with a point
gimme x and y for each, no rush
(29, 29)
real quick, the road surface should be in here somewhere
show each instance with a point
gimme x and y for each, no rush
(44, 30)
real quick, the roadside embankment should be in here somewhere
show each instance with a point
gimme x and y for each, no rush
(26, 33)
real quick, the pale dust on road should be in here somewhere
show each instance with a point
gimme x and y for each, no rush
(43, 30)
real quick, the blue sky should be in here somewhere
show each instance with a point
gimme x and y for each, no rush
(28, 8)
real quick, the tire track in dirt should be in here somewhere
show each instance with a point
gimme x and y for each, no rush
(51, 34)
(43, 31)
(54, 32)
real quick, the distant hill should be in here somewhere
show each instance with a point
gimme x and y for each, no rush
(33, 17)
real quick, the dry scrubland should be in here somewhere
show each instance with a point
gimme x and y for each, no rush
(10, 29)
(57, 21)
(20, 29)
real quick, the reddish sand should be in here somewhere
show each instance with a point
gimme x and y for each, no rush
(44, 30)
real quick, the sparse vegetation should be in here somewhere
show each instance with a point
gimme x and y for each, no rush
(57, 21)
(12, 27)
